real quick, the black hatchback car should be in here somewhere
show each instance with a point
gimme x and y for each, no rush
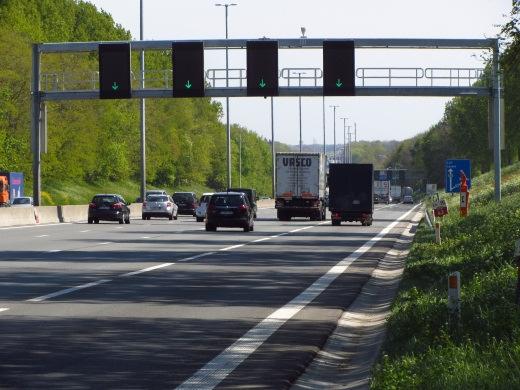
(108, 207)
(186, 202)
(229, 209)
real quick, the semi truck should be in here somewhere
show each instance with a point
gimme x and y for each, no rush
(350, 193)
(300, 186)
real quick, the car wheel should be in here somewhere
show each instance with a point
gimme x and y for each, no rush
(246, 229)
(210, 228)
(252, 227)
(254, 216)
(170, 217)
(176, 216)
(148, 218)
(127, 220)
(90, 220)
(144, 218)
(96, 220)
(336, 222)
(122, 220)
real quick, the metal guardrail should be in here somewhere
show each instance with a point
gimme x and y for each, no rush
(304, 77)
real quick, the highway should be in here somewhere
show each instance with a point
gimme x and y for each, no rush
(165, 304)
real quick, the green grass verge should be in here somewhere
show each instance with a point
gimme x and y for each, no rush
(64, 193)
(424, 348)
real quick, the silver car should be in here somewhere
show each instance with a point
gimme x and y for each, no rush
(22, 201)
(200, 211)
(161, 206)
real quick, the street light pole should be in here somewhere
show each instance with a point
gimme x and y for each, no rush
(344, 139)
(334, 107)
(228, 128)
(300, 105)
(142, 109)
(349, 145)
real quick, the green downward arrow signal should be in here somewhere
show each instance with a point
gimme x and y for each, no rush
(115, 86)
(339, 84)
(262, 84)
(188, 84)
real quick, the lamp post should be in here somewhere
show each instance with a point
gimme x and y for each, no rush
(349, 145)
(344, 139)
(334, 107)
(300, 105)
(228, 128)
(142, 109)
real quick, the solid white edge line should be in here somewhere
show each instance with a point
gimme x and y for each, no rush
(232, 247)
(68, 290)
(3, 309)
(198, 256)
(54, 251)
(222, 365)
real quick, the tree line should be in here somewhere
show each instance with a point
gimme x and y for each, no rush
(95, 141)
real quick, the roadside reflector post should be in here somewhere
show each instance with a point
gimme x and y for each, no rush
(438, 232)
(517, 259)
(454, 294)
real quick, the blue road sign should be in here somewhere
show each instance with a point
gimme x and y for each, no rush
(452, 170)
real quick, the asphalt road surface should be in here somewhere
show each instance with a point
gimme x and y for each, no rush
(165, 304)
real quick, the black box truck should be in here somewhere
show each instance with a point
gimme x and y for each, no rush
(350, 193)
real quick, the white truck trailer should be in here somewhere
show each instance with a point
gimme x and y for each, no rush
(300, 186)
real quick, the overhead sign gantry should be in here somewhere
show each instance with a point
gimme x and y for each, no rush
(188, 77)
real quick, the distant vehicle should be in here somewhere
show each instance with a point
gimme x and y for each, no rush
(407, 195)
(395, 193)
(11, 186)
(229, 209)
(382, 188)
(22, 201)
(376, 198)
(200, 211)
(251, 196)
(186, 201)
(351, 193)
(300, 186)
(108, 207)
(4, 191)
(161, 206)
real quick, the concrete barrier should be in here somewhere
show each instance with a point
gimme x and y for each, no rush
(265, 203)
(13, 216)
(46, 214)
(136, 210)
(74, 213)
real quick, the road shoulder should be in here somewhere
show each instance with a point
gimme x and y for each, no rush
(346, 360)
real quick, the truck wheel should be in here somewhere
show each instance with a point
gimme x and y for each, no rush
(336, 222)
(90, 220)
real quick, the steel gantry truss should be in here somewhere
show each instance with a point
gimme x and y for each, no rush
(41, 95)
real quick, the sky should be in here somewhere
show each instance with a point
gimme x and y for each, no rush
(375, 118)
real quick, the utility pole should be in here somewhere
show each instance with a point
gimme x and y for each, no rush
(228, 128)
(143, 110)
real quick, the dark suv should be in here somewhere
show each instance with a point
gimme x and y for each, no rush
(186, 201)
(108, 207)
(251, 196)
(229, 209)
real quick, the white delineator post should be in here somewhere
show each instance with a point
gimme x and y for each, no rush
(454, 293)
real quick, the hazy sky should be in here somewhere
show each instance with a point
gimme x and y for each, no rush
(377, 118)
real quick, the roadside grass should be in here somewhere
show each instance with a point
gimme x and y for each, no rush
(424, 347)
(67, 193)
